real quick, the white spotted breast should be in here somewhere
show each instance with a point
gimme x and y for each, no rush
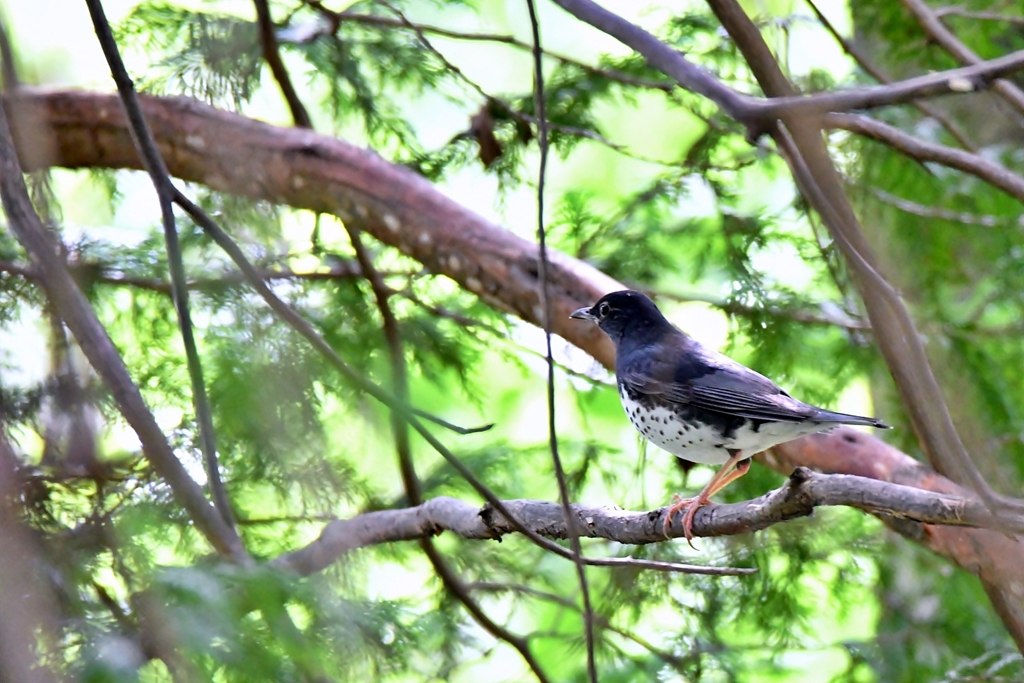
(662, 427)
(704, 443)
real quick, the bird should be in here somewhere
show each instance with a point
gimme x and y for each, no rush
(696, 403)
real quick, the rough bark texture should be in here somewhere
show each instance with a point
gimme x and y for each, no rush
(798, 497)
(300, 168)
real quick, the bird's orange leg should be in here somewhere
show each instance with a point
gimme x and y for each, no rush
(733, 469)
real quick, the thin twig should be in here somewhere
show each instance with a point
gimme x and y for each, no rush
(337, 18)
(955, 11)
(937, 31)
(545, 295)
(986, 220)
(74, 309)
(862, 60)
(272, 56)
(924, 151)
(573, 131)
(410, 481)
(157, 170)
(669, 658)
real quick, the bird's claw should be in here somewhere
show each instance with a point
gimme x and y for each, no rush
(691, 505)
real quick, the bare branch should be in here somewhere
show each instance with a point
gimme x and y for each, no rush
(272, 56)
(157, 171)
(804, 491)
(922, 150)
(862, 60)
(935, 29)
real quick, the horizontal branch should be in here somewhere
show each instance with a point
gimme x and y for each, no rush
(798, 497)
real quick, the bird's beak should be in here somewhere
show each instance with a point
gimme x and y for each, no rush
(583, 314)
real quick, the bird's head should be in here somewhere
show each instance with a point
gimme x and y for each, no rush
(624, 312)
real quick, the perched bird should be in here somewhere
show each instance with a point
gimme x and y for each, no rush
(696, 403)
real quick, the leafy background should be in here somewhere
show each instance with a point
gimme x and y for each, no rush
(657, 189)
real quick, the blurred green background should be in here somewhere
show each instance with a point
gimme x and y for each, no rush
(658, 190)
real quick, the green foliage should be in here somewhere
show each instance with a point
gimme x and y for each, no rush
(686, 209)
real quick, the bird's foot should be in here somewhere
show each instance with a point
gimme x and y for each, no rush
(691, 505)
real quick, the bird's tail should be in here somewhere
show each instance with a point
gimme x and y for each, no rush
(844, 418)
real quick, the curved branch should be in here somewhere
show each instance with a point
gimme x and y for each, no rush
(234, 154)
(798, 497)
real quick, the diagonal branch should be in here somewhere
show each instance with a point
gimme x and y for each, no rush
(413, 490)
(937, 31)
(991, 172)
(272, 56)
(231, 153)
(157, 171)
(75, 311)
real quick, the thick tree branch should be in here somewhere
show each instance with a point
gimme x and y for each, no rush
(233, 154)
(798, 497)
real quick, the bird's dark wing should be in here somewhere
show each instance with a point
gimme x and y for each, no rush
(707, 380)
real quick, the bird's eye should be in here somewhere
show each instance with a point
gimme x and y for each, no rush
(603, 310)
